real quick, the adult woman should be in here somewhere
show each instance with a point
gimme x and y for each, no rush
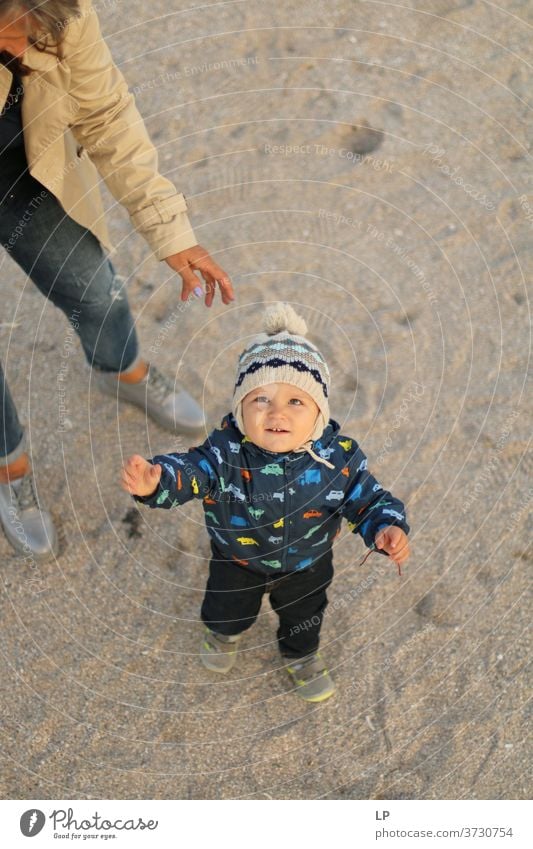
(68, 119)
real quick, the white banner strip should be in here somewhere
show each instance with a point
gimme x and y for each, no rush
(257, 824)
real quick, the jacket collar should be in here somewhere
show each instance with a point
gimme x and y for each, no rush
(36, 60)
(39, 61)
(317, 448)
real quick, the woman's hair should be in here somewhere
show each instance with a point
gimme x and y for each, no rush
(49, 17)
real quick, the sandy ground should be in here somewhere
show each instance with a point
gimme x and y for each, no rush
(413, 284)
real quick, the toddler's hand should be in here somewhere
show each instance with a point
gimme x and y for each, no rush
(394, 541)
(139, 477)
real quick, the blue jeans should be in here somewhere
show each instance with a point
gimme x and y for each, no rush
(68, 265)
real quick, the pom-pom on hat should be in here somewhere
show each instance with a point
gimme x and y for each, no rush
(283, 354)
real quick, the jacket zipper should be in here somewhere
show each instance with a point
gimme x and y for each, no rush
(286, 488)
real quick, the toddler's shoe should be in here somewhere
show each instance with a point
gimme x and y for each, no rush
(311, 678)
(218, 652)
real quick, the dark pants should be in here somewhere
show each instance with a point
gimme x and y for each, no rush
(233, 598)
(68, 265)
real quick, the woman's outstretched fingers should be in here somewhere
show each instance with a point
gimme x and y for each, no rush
(190, 283)
(210, 289)
(215, 274)
(195, 259)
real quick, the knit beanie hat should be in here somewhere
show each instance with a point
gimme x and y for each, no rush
(282, 354)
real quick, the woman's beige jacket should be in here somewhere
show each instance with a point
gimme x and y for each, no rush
(81, 123)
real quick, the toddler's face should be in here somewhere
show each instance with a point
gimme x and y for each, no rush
(278, 416)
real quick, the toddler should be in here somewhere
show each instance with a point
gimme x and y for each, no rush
(275, 480)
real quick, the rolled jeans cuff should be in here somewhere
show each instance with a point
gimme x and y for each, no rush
(138, 359)
(17, 452)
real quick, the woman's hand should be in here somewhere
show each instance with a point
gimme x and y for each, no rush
(140, 477)
(394, 541)
(197, 259)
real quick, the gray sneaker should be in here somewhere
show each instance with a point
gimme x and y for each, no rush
(28, 527)
(218, 652)
(311, 678)
(167, 403)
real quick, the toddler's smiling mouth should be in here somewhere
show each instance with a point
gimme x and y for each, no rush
(276, 430)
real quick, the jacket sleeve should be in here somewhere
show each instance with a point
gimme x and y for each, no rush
(366, 505)
(187, 475)
(109, 126)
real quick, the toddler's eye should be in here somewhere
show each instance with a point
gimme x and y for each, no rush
(261, 399)
(297, 400)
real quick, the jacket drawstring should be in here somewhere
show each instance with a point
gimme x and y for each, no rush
(307, 447)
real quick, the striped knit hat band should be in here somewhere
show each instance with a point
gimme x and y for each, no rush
(282, 354)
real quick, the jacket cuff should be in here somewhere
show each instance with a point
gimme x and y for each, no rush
(371, 530)
(164, 224)
(159, 211)
(147, 499)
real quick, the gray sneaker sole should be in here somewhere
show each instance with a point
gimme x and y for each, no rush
(210, 662)
(320, 696)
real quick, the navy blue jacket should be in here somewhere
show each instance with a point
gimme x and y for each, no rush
(275, 511)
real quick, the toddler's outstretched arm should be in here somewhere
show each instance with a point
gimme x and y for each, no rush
(370, 509)
(140, 477)
(168, 480)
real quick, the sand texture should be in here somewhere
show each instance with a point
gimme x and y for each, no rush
(320, 147)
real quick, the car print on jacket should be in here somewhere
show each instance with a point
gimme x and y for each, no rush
(272, 469)
(256, 512)
(247, 541)
(272, 511)
(239, 522)
(308, 477)
(335, 495)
